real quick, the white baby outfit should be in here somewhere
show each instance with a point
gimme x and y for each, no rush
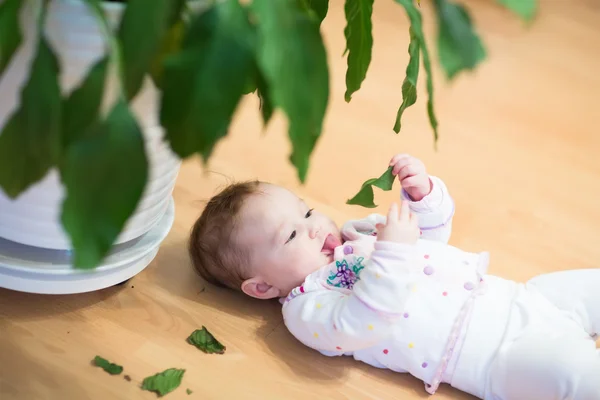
(431, 310)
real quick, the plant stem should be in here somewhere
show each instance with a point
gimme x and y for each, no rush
(112, 42)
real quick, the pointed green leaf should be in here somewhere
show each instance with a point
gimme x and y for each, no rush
(109, 367)
(10, 31)
(359, 43)
(266, 104)
(292, 58)
(164, 382)
(105, 173)
(82, 106)
(141, 32)
(30, 140)
(459, 46)
(204, 83)
(526, 9)
(205, 341)
(409, 86)
(365, 196)
(318, 7)
(170, 44)
(416, 26)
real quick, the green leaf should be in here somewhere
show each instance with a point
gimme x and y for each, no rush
(416, 26)
(266, 104)
(171, 43)
(365, 195)
(459, 46)
(359, 43)
(188, 391)
(409, 86)
(292, 58)
(205, 341)
(164, 382)
(526, 9)
(10, 31)
(204, 83)
(82, 106)
(318, 7)
(105, 173)
(141, 32)
(109, 367)
(30, 140)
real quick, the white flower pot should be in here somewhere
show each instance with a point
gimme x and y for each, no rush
(33, 219)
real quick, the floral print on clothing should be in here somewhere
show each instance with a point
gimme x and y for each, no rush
(346, 274)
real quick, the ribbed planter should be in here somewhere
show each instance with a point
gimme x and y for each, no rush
(31, 223)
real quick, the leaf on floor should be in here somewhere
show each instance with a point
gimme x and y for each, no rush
(205, 341)
(164, 382)
(106, 365)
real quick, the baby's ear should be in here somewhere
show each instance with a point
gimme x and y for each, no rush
(258, 288)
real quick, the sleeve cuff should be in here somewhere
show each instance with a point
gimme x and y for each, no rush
(432, 202)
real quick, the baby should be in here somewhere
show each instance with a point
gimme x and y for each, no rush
(390, 291)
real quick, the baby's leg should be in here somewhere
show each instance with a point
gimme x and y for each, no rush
(577, 292)
(547, 366)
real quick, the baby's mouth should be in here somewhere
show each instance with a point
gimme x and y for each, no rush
(331, 242)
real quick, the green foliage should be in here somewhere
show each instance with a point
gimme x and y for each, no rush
(106, 365)
(526, 9)
(359, 43)
(292, 57)
(205, 341)
(365, 195)
(30, 141)
(164, 382)
(203, 63)
(10, 31)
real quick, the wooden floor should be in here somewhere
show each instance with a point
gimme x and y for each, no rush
(519, 151)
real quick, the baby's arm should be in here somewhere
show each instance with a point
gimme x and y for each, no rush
(331, 321)
(427, 195)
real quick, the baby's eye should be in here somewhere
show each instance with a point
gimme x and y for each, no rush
(292, 236)
(309, 213)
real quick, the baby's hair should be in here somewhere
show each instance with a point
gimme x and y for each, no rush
(212, 249)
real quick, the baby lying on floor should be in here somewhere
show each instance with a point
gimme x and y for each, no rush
(389, 291)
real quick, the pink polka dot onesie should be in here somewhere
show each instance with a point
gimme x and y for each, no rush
(432, 310)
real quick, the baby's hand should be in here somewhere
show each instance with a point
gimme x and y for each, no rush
(399, 228)
(412, 176)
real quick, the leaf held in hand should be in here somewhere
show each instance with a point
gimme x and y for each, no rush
(10, 31)
(141, 32)
(365, 195)
(359, 43)
(459, 46)
(109, 367)
(292, 57)
(164, 382)
(409, 86)
(30, 140)
(525, 9)
(105, 173)
(205, 81)
(205, 341)
(416, 26)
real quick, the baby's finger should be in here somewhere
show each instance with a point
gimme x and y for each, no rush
(398, 157)
(393, 213)
(404, 211)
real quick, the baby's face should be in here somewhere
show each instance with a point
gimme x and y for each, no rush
(287, 240)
